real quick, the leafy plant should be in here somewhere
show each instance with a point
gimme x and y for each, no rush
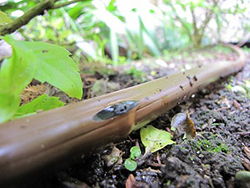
(130, 163)
(42, 61)
(137, 74)
(195, 16)
(154, 139)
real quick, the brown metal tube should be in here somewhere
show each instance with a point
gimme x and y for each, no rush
(47, 141)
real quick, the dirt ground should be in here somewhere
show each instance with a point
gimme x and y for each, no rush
(221, 113)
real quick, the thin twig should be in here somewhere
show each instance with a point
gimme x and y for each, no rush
(24, 19)
(59, 5)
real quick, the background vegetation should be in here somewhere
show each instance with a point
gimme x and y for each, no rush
(120, 31)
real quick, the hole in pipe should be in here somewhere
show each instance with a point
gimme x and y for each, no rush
(115, 110)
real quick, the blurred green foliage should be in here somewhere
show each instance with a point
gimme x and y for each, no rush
(124, 30)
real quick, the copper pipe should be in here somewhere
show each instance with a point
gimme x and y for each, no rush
(46, 141)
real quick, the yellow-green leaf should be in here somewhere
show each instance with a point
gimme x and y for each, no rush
(4, 19)
(154, 139)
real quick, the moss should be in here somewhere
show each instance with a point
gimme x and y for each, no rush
(191, 158)
(213, 146)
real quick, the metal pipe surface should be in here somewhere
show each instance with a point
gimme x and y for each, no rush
(45, 142)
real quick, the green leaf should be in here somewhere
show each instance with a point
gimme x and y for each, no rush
(135, 152)
(15, 74)
(56, 67)
(154, 139)
(4, 19)
(45, 62)
(130, 164)
(43, 102)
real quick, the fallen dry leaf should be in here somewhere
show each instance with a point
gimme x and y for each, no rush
(236, 104)
(130, 182)
(115, 157)
(247, 152)
(246, 163)
(182, 122)
(32, 92)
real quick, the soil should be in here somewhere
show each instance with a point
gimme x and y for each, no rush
(222, 120)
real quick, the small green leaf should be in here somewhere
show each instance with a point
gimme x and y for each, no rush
(43, 102)
(130, 164)
(135, 152)
(154, 139)
(15, 74)
(4, 19)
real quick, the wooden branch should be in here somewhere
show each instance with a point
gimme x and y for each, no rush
(205, 23)
(245, 39)
(208, 18)
(30, 14)
(196, 31)
(40, 144)
(59, 5)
